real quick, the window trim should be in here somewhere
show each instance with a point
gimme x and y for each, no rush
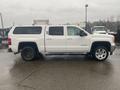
(28, 33)
(71, 27)
(78, 28)
(56, 27)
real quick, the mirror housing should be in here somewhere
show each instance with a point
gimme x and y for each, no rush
(82, 34)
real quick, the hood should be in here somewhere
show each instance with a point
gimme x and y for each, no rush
(102, 35)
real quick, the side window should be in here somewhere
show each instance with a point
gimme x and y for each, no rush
(82, 33)
(58, 31)
(27, 30)
(73, 31)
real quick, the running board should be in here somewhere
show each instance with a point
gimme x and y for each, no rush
(65, 53)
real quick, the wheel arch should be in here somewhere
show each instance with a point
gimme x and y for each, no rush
(100, 43)
(23, 44)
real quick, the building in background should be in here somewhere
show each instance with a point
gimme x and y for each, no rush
(41, 22)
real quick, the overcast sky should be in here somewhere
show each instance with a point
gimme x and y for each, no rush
(23, 12)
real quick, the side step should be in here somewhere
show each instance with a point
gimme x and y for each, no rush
(65, 53)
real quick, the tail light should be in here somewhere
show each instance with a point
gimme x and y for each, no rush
(9, 41)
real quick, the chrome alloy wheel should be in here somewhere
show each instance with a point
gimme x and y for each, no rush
(101, 53)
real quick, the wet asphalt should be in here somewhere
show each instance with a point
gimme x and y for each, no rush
(59, 73)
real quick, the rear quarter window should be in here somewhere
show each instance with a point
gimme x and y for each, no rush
(57, 31)
(27, 30)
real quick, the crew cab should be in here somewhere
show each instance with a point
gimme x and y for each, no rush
(42, 40)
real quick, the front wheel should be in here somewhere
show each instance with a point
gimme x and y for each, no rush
(28, 53)
(100, 53)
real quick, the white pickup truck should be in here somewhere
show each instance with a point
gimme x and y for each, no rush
(34, 41)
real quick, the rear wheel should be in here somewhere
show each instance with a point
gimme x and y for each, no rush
(100, 53)
(28, 53)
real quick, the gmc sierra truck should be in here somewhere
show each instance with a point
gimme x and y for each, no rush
(38, 41)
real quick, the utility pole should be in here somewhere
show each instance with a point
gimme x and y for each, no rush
(1, 20)
(86, 6)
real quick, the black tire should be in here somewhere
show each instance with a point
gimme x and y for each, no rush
(39, 56)
(100, 53)
(28, 53)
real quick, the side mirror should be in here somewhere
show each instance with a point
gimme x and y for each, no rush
(82, 34)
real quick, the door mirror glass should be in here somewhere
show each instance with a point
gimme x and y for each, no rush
(82, 33)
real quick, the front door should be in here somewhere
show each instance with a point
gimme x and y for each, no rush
(75, 42)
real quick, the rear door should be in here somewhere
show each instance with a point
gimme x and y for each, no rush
(55, 39)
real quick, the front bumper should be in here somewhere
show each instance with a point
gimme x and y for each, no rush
(112, 49)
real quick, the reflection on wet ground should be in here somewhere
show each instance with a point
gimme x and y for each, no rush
(59, 73)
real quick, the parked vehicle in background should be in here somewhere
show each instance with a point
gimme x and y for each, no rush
(0, 40)
(100, 30)
(35, 41)
(118, 34)
(115, 35)
(4, 32)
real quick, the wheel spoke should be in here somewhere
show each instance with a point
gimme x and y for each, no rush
(101, 53)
